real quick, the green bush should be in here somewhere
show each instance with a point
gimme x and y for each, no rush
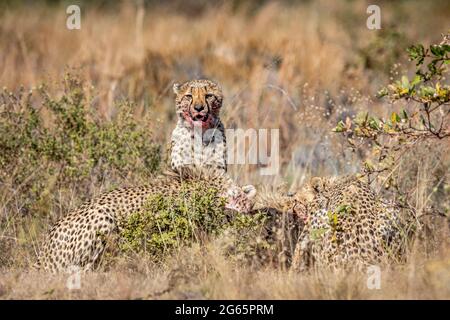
(50, 143)
(194, 215)
(169, 221)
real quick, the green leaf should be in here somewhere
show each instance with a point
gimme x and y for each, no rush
(340, 127)
(416, 53)
(361, 118)
(382, 93)
(427, 91)
(404, 114)
(374, 123)
(437, 50)
(405, 82)
(395, 117)
(417, 79)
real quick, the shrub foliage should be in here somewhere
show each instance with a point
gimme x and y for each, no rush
(50, 143)
(422, 120)
(194, 215)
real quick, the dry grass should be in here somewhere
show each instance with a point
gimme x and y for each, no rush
(205, 274)
(298, 68)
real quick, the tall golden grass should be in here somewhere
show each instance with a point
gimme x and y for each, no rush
(294, 67)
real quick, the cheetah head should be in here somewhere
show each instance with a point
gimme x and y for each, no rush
(198, 102)
(240, 199)
(301, 203)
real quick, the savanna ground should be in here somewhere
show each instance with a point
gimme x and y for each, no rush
(84, 111)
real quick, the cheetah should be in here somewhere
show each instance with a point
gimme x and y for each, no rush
(199, 136)
(346, 225)
(78, 240)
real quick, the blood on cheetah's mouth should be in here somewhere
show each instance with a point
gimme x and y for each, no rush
(205, 120)
(200, 117)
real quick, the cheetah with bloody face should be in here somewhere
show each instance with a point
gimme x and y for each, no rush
(346, 225)
(79, 239)
(199, 136)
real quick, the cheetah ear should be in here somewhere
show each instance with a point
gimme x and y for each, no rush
(176, 88)
(215, 85)
(250, 191)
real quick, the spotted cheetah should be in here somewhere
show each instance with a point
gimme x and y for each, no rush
(346, 225)
(199, 136)
(79, 238)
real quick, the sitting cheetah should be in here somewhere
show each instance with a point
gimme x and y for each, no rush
(79, 238)
(345, 225)
(199, 136)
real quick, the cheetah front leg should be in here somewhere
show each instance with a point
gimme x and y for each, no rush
(302, 254)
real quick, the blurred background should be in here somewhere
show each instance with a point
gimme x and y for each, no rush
(282, 64)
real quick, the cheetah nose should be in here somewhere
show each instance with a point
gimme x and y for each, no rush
(198, 107)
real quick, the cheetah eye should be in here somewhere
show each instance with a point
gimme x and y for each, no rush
(189, 96)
